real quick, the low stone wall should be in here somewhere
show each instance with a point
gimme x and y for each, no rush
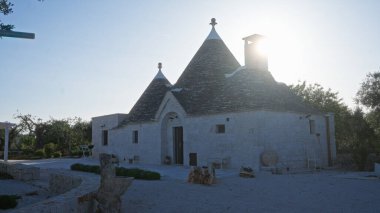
(77, 190)
(20, 171)
(60, 183)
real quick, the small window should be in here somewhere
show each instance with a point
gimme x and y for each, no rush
(105, 137)
(312, 126)
(220, 128)
(135, 136)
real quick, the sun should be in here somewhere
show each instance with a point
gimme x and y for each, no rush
(263, 47)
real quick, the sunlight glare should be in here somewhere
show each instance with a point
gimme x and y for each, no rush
(285, 49)
(263, 47)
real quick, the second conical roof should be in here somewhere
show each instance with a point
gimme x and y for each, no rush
(149, 102)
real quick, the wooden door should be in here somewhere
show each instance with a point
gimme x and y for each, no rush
(178, 144)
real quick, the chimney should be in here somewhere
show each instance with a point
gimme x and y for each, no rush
(254, 59)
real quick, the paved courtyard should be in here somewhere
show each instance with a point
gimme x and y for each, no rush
(326, 191)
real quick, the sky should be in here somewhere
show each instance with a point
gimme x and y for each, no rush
(92, 57)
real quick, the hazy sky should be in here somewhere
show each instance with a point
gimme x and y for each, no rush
(93, 57)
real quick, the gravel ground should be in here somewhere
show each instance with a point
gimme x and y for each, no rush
(326, 191)
(318, 192)
(29, 194)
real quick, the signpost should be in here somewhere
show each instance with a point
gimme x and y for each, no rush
(6, 126)
(14, 34)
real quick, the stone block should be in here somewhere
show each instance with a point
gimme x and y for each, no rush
(60, 183)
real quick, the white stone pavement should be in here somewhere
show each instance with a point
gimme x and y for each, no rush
(325, 191)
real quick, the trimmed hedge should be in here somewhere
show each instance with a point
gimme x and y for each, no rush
(8, 201)
(86, 168)
(137, 173)
(120, 171)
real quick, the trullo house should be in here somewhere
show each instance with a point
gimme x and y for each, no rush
(219, 112)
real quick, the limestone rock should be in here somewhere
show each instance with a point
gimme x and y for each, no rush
(202, 175)
(111, 187)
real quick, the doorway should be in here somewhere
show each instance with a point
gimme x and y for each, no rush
(178, 144)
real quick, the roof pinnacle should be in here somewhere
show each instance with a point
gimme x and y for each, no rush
(159, 73)
(213, 22)
(213, 34)
(159, 66)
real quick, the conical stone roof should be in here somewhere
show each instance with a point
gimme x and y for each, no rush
(149, 102)
(214, 82)
(205, 73)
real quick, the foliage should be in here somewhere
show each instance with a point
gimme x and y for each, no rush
(6, 9)
(76, 152)
(85, 168)
(8, 201)
(369, 92)
(27, 144)
(64, 134)
(40, 153)
(57, 154)
(369, 96)
(120, 171)
(373, 118)
(137, 173)
(363, 139)
(328, 101)
(49, 149)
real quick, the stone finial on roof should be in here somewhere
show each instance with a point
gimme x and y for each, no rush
(159, 74)
(213, 34)
(159, 66)
(213, 22)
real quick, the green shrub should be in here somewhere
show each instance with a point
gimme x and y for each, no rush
(40, 153)
(76, 167)
(86, 168)
(27, 151)
(49, 149)
(57, 154)
(8, 201)
(76, 152)
(120, 171)
(137, 173)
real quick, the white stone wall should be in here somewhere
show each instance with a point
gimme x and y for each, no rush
(247, 135)
(147, 149)
(100, 123)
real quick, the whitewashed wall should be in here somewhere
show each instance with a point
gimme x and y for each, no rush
(247, 135)
(100, 123)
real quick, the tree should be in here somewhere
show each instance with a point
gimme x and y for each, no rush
(327, 101)
(363, 139)
(369, 92)
(32, 126)
(64, 134)
(369, 96)
(6, 8)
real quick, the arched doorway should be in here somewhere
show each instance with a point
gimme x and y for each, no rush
(172, 139)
